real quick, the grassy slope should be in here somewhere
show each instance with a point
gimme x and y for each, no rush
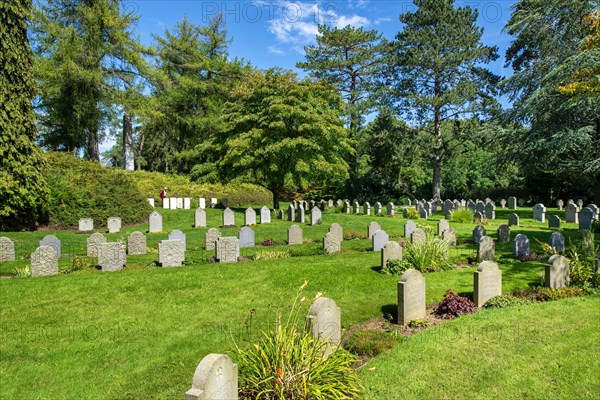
(141, 332)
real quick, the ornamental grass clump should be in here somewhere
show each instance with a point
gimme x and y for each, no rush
(288, 363)
(463, 216)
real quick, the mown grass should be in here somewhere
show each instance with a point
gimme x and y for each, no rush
(139, 333)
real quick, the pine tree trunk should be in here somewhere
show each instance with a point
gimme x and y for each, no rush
(275, 192)
(93, 147)
(437, 155)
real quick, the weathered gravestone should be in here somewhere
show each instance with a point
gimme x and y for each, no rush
(213, 202)
(477, 217)
(595, 209)
(249, 216)
(202, 203)
(418, 237)
(585, 218)
(423, 213)
(246, 237)
(557, 271)
(7, 249)
(52, 241)
(179, 202)
(200, 218)
(315, 216)
(227, 249)
(449, 236)
(114, 225)
(379, 239)
(560, 204)
(513, 220)
(478, 233)
(521, 246)
(173, 203)
(355, 208)
(324, 322)
(291, 213)
(448, 206)
(521, 202)
(86, 225)
(265, 215)
(165, 202)
(503, 233)
(579, 203)
(330, 203)
(377, 209)
(228, 217)
(281, 214)
(171, 253)
(503, 203)
(512, 203)
(300, 214)
(372, 228)
(557, 241)
(210, 238)
(390, 209)
(486, 250)
(44, 261)
(571, 215)
(411, 296)
(187, 203)
(443, 225)
(216, 378)
(337, 230)
(332, 243)
(111, 256)
(490, 211)
(178, 235)
(136, 243)
(367, 208)
(539, 212)
(480, 208)
(487, 282)
(346, 209)
(295, 235)
(155, 222)
(93, 242)
(554, 221)
(391, 251)
(409, 228)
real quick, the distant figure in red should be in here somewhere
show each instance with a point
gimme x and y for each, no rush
(163, 193)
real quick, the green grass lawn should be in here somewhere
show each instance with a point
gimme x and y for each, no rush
(140, 333)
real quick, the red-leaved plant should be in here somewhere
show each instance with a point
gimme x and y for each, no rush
(454, 305)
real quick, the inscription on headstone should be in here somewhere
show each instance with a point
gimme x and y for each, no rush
(411, 296)
(136, 243)
(93, 242)
(111, 256)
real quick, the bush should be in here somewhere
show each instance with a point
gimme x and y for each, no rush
(454, 305)
(369, 342)
(463, 216)
(412, 213)
(542, 294)
(582, 262)
(430, 256)
(595, 227)
(272, 254)
(268, 242)
(22, 272)
(505, 301)
(353, 235)
(78, 263)
(395, 267)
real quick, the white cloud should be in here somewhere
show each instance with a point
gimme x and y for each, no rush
(380, 20)
(275, 50)
(353, 20)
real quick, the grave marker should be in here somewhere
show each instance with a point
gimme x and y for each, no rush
(178, 235)
(486, 250)
(391, 251)
(295, 235)
(372, 228)
(227, 249)
(136, 243)
(44, 261)
(95, 240)
(487, 282)
(52, 241)
(411, 296)
(521, 247)
(265, 215)
(155, 222)
(7, 249)
(332, 243)
(210, 238)
(111, 256)
(86, 225)
(324, 322)
(379, 239)
(215, 378)
(114, 225)
(246, 237)
(557, 271)
(200, 218)
(228, 217)
(249, 216)
(171, 253)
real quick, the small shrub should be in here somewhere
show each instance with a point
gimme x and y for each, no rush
(395, 267)
(268, 242)
(355, 235)
(418, 323)
(430, 256)
(505, 301)
(412, 213)
(369, 342)
(454, 305)
(463, 216)
(272, 254)
(22, 272)
(541, 294)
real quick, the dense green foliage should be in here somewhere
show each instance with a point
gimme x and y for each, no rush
(22, 191)
(505, 301)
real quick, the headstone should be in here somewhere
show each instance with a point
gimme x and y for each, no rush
(478, 233)
(339, 203)
(265, 215)
(180, 202)
(513, 220)
(560, 204)
(332, 243)
(480, 208)
(391, 251)
(300, 216)
(281, 215)
(173, 203)
(418, 237)
(409, 228)
(557, 272)
(337, 230)
(390, 209)
(471, 205)
(377, 209)
(571, 214)
(216, 378)
(355, 208)
(295, 235)
(448, 215)
(114, 225)
(202, 202)
(312, 204)
(7, 249)
(442, 226)
(512, 203)
(95, 240)
(246, 236)
(228, 217)
(579, 203)
(323, 205)
(367, 208)
(379, 239)
(423, 213)
(291, 213)
(539, 212)
(171, 253)
(486, 250)
(150, 201)
(210, 238)
(136, 243)
(521, 247)
(586, 215)
(213, 202)
(458, 205)
(448, 206)
(521, 202)
(554, 221)
(346, 209)
(372, 228)
(595, 209)
(228, 249)
(187, 203)
(52, 241)
(86, 225)
(178, 235)
(44, 261)
(165, 202)
(111, 256)
(477, 217)
(411, 296)
(449, 236)
(503, 203)
(487, 282)
(200, 218)
(249, 216)
(490, 211)
(324, 322)
(330, 203)
(503, 233)
(315, 216)
(155, 222)
(557, 241)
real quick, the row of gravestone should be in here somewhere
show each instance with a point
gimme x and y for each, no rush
(113, 224)
(174, 203)
(521, 243)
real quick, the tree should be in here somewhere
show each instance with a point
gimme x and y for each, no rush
(283, 134)
(23, 191)
(438, 71)
(86, 58)
(561, 134)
